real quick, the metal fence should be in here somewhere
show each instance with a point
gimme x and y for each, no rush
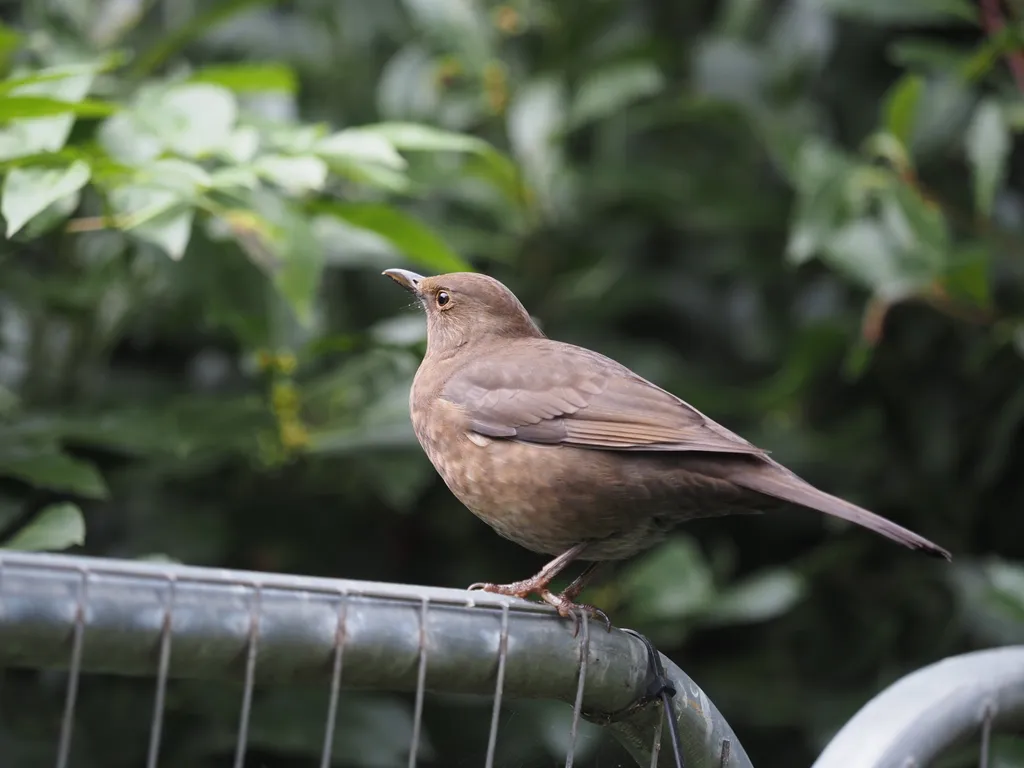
(87, 615)
(100, 616)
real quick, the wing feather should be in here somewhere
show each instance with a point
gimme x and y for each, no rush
(544, 391)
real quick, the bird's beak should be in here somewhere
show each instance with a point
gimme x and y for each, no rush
(408, 280)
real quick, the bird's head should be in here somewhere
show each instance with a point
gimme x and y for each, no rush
(465, 306)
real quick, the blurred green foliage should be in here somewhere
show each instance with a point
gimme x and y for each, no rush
(804, 216)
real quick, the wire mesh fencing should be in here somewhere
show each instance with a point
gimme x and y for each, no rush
(97, 616)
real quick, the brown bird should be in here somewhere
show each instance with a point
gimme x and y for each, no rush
(568, 453)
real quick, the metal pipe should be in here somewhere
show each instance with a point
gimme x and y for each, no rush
(929, 711)
(139, 618)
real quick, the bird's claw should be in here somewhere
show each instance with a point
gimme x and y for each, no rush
(567, 609)
(563, 602)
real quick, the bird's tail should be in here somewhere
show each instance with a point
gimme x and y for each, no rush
(775, 481)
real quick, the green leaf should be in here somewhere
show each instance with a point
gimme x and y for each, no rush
(535, 120)
(170, 230)
(243, 145)
(234, 177)
(988, 145)
(298, 278)
(158, 216)
(611, 89)
(287, 247)
(408, 87)
(180, 176)
(57, 527)
(819, 175)
(885, 146)
(56, 471)
(411, 237)
(867, 222)
(895, 254)
(1007, 582)
(51, 217)
(379, 176)
(21, 107)
(360, 145)
(992, 596)
(1005, 42)
(293, 174)
(942, 114)
(758, 598)
(414, 137)
(196, 119)
(69, 82)
(243, 78)
(9, 43)
(425, 138)
(863, 251)
(159, 206)
(46, 76)
(41, 112)
(671, 582)
(364, 157)
(900, 108)
(125, 139)
(918, 226)
(27, 192)
(192, 119)
(900, 12)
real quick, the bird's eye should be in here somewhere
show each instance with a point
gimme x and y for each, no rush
(442, 298)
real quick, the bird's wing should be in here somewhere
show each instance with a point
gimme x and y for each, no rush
(549, 392)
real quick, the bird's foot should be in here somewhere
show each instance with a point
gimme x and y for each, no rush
(522, 589)
(563, 602)
(567, 609)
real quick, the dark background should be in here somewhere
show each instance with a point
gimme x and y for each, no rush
(805, 217)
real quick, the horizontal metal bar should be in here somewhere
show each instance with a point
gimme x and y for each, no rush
(931, 710)
(123, 605)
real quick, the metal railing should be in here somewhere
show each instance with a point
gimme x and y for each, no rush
(929, 712)
(88, 615)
